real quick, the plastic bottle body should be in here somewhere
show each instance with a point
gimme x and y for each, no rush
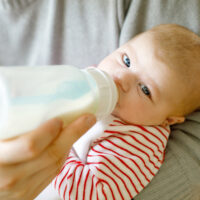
(32, 95)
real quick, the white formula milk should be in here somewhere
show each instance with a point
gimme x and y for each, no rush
(31, 95)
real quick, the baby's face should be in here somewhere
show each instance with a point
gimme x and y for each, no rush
(147, 87)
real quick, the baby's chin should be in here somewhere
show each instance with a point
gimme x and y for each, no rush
(116, 114)
(128, 121)
(121, 119)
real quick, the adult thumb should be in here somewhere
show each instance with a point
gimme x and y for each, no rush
(74, 131)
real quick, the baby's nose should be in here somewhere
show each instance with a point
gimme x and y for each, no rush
(125, 80)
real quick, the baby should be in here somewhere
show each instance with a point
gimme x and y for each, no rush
(157, 76)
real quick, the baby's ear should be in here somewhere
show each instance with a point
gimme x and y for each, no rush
(173, 120)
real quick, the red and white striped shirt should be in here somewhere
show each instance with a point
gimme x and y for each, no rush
(118, 164)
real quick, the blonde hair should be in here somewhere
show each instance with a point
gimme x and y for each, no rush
(179, 48)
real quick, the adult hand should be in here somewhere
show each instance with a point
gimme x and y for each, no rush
(29, 162)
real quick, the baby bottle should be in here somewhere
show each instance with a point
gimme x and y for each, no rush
(32, 95)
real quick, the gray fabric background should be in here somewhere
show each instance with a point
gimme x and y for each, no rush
(81, 33)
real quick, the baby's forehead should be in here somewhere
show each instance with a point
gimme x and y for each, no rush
(141, 42)
(143, 37)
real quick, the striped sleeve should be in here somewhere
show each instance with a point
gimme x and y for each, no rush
(119, 164)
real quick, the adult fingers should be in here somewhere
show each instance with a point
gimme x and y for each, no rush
(29, 145)
(55, 153)
(70, 134)
(15, 178)
(58, 150)
(25, 186)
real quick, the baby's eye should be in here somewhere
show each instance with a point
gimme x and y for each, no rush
(126, 60)
(145, 90)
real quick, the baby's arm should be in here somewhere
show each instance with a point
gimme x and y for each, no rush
(118, 166)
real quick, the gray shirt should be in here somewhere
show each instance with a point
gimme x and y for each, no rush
(81, 33)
